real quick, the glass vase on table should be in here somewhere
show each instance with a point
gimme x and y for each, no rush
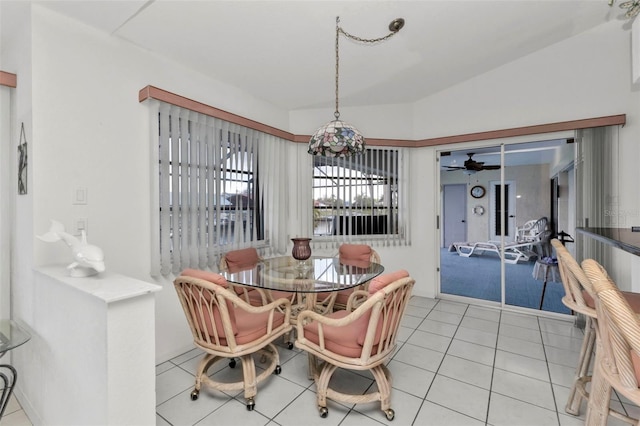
(301, 252)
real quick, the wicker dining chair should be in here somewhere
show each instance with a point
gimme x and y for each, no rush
(357, 255)
(579, 297)
(226, 327)
(241, 259)
(617, 364)
(349, 254)
(363, 339)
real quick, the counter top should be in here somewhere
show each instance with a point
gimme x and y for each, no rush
(621, 238)
(106, 286)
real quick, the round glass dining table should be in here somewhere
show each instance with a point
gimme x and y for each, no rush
(314, 275)
(305, 280)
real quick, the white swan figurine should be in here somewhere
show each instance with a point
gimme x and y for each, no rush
(88, 259)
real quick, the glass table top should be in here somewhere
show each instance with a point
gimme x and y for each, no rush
(11, 335)
(314, 275)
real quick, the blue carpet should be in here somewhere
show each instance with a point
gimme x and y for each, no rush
(479, 277)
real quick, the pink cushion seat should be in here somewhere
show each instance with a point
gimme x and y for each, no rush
(348, 340)
(355, 254)
(242, 259)
(632, 298)
(340, 340)
(253, 326)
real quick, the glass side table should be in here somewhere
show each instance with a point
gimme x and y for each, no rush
(11, 336)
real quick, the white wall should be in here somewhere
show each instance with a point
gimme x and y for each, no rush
(586, 76)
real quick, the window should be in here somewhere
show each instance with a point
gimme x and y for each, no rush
(359, 196)
(211, 196)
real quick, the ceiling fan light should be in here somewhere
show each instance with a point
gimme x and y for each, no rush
(336, 139)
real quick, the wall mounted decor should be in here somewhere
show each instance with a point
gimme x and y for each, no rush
(22, 163)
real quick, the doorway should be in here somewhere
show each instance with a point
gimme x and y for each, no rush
(454, 208)
(517, 180)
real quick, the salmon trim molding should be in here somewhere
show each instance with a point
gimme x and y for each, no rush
(151, 92)
(8, 79)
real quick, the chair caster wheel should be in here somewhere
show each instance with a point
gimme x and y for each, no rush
(195, 394)
(390, 414)
(251, 404)
(232, 363)
(324, 412)
(290, 345)
(278, 369)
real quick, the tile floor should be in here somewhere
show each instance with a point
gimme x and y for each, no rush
(456, 364)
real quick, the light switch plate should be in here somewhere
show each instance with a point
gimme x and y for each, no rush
(80, 196)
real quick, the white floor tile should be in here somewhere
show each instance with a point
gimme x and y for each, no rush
(452, 307)
(522, 365)
(522, 333)
(477, 336)
(521, 347)
(459, 396)
(426, 359)
(561, 375)
(417, 311)
(405, 407)
(466, 371)
(438, 327)
(478, 353)
(433, 414)
(527, 389)
(446, 317)
(505, 411)
(486, 326)
(430, 341)
(563, 356)
(488, 314)
(562, 342)
(410, 379)
(519, 320)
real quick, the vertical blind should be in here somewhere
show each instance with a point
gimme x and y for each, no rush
(361, 198)
(596, 188)
(213, 194)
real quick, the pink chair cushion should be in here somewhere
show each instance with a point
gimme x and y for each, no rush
(343, 296)
(217, 279)
(348, 340)
(242, 259)
(355, 254)
(340, 340)
(212, 277)
(635, 360)
(632, 298)
(378, 283)
(253, 326)
(381, 281)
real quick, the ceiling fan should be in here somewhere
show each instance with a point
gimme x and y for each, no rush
(473, 166)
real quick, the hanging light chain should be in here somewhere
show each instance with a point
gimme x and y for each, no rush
(394, 27)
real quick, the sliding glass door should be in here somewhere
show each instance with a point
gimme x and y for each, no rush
(508, 220)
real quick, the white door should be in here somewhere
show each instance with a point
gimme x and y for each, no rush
(454, 214)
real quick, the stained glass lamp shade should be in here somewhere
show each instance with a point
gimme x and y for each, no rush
(336, 139)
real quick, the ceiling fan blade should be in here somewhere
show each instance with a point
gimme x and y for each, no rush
(496, 167)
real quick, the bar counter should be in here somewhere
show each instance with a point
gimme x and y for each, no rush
(622, 238)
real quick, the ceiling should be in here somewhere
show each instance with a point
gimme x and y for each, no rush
(283, 51)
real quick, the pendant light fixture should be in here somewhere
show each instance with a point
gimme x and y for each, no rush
(633, 7)
(337, 138)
